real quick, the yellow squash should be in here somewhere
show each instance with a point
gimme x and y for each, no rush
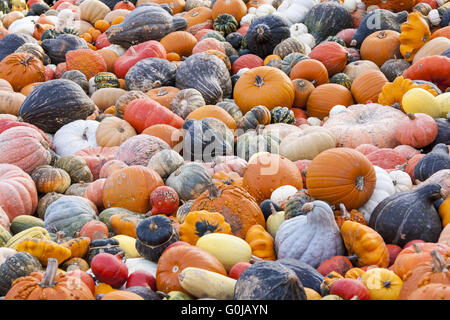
(31, 233)
(128, 245)
(418, 100)
(44, 249)
(382, 283)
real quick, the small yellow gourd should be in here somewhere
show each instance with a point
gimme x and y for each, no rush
(274, 221)
(419, 100)
(414, 34)
(128, 245)
(444, 103)
(382, 283)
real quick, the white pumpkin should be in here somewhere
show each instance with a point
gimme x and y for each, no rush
(281, 194)
(384, 188)
(294, 11)
(91, 85)
(337, 109)
(314, 121)
(298, 29)
(247, 19)
(434, 17)
(402, 180)
(24, 25)
(252, 10)
(264, 10)
(350, 5)
(308, 39)
(75, 136)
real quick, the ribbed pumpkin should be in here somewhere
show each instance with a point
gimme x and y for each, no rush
(265, 86)
(212, 111)
(113, 131)
(21, 69)
(351, 179)
(332, 55)
(163, 95)
(86, 61)
(368, 86)
(236, 205)
(324, 97)
(236, 8)
(180, 42)
(381, 46)
(311, 70)
(130, 188)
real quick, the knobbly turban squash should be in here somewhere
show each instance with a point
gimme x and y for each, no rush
(234, 203)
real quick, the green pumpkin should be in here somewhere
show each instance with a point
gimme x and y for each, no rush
(18, 265)
(336, 39)
(293, 207)
(282, 115)
(23, 222)
(291, 60)
(214, 35)
(342, 79)
(231, 107)
(106, 80)
(258, 115)
(4, 236)
(53, 33)
(253, 141)
(225, 23)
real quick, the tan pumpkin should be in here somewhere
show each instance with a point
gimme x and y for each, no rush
(434, 47)
(368, 86)
(93, 10)
(10, 102)
(113, 131)
(355, 68)
(107, 97)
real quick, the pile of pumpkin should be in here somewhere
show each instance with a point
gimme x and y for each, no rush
(225, 149)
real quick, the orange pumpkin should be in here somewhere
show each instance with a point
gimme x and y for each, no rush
(324, 97)
(265, 86)
(303, 89)
(332, 55)
(368, 86)
(212, 111)
(121, 295)
(109, 56)
(236, 8)
(198, 15)
(171, 135)
(163, 95)
(29, 87)
(350, 180)
(311, 70)
(86, 61)
(21, 69)
(381, 46)
(130, 188)
(180, 42)
(177, 6)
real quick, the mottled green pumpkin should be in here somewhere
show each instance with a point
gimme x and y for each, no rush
(282, 115)
(258, 115)
(24, 222)
(291, 60)
(76, 167)
(342, 79)
(214, 35)
(254, 141)
(106, 80)
(288, 46)
(4, 236)
(293, 206)
(231, 107)
(18, 265)
(225, 23)
(336, 39)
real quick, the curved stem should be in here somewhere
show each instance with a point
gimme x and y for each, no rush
(50, 273)
(438, 262)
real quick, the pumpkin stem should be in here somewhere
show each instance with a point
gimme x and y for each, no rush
(156, 84)
(213, 192)
(416, 247)
(259, 81)
(153, 226)
(50, 273)
(360, 183)
(401, 166)
(396, 105)
(387, 284)
(411, 115)
(344, 212)
(60, 236)
(438, 262)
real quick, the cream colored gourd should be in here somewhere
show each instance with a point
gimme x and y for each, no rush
(444, 103)
(402, 180)
(202, 283)
(281, 194)
(418, 100)
(5, 253)
(93, 10)
(274, 221)
(434, 47)
(228, 249)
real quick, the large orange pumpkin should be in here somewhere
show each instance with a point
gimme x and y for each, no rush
(130, 188)
(311, 70)
(324, 97)
(267, 172)
(180, 42)
(86, 61)
(265, 86)
(368, 86)
(175, 259)
(21, 69)
(381, 46)
(341, 175)
(236, 8)
(238, 207)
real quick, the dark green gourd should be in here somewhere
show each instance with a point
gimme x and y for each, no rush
(408, 215)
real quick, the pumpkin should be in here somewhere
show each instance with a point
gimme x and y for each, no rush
(394, 68)
(164, 200)
(303, 89)
(288, 46)
(132, 192)
(413, 102)
(49, 286)
(113, 131)
(269, 280)
(21, 69)
(50, 179)
(78, 246)
(368, 86)
(76, 167)
(311, 70)
(310, 230)
(186, 101)
(236, 8)
(351, 127)
(139, 149)
(434, 161)
(414, 34)
(165, 162)
(437, 45)
(17, 265)
(261, 242)
(363, 179)
(212, 111)
(343, 215)
(154, 235)
(383, 284)
(387, 46)
(258, 115)
(174, 260)
(391, 5)
(44, 249)
(75, 136)
(444, 211)
(198, 15)
(426, 69)
(326, 96)
(332, 55)
(418, 131)
(400, 231)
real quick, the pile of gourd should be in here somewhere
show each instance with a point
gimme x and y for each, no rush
(225, 149)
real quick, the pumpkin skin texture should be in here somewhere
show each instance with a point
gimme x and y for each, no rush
(365, 243)
(21, 69)
(311, 70)
(238, 207)
(67, 100)
(268, 280)
(383, 284)
(353, 166)
(332, 55)
(311, 238)
(434, 161)
(261, 242)
(150, 73)
(435, 69)
(132, 30)
(387, 46)
(368, 86)
(175, 259)
(415, 32)
(325, 97)
(130, 188)
(419, 131)
(418, 219)
(109, 269)
(50, 179)
(24, 147)
(44, 249)
(86, 61)
(18, 194)
(113, 131)
(207, 74)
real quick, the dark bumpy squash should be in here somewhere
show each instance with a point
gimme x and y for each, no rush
(327, 19)
(265, 33)
(268, 280)
(207, 74)
(55, 103)
(293, 206)
(231, 107)
(235, 39)
(147, 22)
(150, 73)
(18, 265)
(310, 277)
(103, 246)
(378, 20)
(437, 159)
(154, 234)
(282, 115)
(11, 42)
(57, 48)
(408, 215)
(77, 77)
